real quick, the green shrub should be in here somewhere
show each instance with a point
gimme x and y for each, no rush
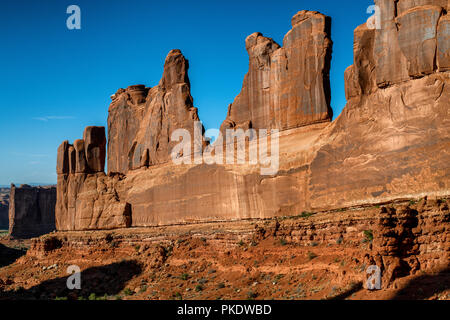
(311, 255)
(198, 288)
(306, 214)
(184, 276)
(369, 235)
(127, 292)
(177, 296)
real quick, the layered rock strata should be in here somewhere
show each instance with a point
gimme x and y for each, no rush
(286, 87)
(141, 120)
(390, 142)
(31, 211)
(87, 198)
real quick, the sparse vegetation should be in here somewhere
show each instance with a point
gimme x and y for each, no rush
(184, 276)
(177, 296)
(199, 288)
(311, 255)
(279, 277)
(306, 214)
(252, 295)
(368, 235)
(114, 244)
(127, 292)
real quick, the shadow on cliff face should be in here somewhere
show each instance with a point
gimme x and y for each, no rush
(9, 255)
(424, 287)
(104, 280)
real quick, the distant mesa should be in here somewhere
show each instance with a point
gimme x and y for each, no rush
(31, 210)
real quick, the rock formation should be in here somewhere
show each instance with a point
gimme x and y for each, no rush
(87, 198)
(390, 142)
(4, 207)
(141, 120)
(286, 87)
(392, 138)
(31, 211)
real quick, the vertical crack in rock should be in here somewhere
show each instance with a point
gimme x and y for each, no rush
(286, 87)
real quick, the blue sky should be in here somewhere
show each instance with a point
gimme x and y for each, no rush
(55, 81)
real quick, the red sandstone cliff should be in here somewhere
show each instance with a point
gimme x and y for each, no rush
(390, 142)
(31, 211)
(286, 87)
(86, 196)
(141, 120)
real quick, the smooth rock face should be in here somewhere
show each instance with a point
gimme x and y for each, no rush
(80, 161)
(141, 120)
(62, 161)
(391, 64)
(412, 42)
(443, 43)
(360, 77)
(390, 142)
(405, 5)
(95, 148)
(31, 211)
(417, 38)
(286, 87)
(90, 202)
